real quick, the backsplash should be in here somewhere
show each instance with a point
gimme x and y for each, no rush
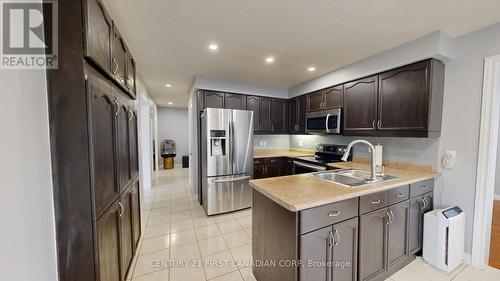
(271, 141)
(410, 150)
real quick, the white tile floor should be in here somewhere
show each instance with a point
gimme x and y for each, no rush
(180, 243)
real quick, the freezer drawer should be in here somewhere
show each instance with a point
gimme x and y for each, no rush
(226, 194)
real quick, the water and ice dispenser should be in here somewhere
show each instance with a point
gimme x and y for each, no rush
(218, 142)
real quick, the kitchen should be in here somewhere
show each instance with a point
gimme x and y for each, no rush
(311, 157)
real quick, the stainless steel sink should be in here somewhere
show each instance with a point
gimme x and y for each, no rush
(350, 177)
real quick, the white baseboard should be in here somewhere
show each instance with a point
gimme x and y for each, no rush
(467, 258)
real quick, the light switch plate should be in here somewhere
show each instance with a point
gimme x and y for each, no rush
(449, 159)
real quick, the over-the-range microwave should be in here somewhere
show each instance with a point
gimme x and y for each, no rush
(324, 122)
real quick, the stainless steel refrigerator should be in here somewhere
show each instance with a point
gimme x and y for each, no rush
(227, 159)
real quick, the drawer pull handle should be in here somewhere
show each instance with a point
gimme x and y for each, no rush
(400, 195)
(376, 202)
(334, 214)
(423, 187)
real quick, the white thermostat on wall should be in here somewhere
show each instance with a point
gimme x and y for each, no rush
(444, 233)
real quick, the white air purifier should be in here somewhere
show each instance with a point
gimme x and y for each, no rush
(444, 232)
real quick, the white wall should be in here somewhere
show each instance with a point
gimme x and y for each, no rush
(271, 141)
(27, 250)
(173, 125)
(146, 128)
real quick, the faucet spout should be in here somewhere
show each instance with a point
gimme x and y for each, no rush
(373, 175)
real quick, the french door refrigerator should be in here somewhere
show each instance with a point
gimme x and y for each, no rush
(227, 159)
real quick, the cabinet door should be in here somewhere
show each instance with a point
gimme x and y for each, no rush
(131, 75)
(259, 172)
(134, 149)
(301, 116)
(108, 245)
(126, 231)
(429, 201)
(279, 113)
(397, 236)
(235, 101)
(98, 34)
(274, 171)
(214, 99)
(372, 244)
(119, 58)
(253, 104)
(316, 100)
(289, 170)
(416, 220)
(316, 246)
(265, 114)
(334, 97)
(404, 98)
(293, 124)
(122, 143)
(345, 251)
(360, 105)
(136, 214)
(101, 111)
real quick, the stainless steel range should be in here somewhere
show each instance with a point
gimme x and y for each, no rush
(325, 153)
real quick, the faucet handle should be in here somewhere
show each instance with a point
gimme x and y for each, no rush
(380, 170)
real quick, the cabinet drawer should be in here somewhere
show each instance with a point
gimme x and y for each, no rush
(319, 217)
(258, 161)
(419, 188)
(398, 194)
(371, 202)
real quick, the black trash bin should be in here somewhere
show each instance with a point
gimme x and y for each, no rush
(185, 161)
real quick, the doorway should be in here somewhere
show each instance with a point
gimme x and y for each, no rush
(484, 231)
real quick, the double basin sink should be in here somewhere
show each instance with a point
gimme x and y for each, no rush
(351, 177)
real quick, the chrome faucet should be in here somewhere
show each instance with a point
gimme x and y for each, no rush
(373, 176)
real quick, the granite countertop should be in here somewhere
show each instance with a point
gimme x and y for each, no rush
(304, 191)
(265, 153)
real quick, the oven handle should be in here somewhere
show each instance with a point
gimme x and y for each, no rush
(309, 166)
(326, 124)
(232, 179)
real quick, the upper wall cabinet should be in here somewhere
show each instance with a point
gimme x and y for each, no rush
(279, 116)
(106, 49)
(297, 112)
(328, 98)
(360, 105)
(235, 101)
(98, 33)
(214, 99)
(404, 102)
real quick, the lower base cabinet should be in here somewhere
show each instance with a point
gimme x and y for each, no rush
(118, 231)
(418, 207)
(372, 244)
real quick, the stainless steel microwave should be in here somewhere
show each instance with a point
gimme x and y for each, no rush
(324, 122)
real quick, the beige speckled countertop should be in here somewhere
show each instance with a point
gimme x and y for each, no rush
(265, 153)
(304, 191)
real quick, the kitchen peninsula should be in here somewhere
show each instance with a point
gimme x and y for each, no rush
(305, 218)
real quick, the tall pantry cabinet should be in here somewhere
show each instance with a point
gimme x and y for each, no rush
(94, 145)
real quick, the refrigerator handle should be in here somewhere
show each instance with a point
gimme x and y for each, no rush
(231, 144)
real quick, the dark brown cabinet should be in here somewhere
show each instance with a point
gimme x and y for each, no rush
(345, 251)
(405, 101)
(131, 73)
(253, 104)
(126, 231)
(235, 101)
(102, 110)
(397, 234)
(328, 98)
(372, 244)
(418, 207)
(214, 99)
(136, 214)
(98, 33)
(269, 167)
(360, 105)
(122, 141)
(316, 246)
(133, 142)
(265, 115)
(108, 259)
(279, 116)
(119, 58)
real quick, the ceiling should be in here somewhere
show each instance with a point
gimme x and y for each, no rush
(169, 38)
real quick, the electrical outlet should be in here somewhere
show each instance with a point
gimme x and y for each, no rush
(449, 159)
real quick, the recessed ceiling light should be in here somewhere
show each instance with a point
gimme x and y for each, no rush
(213, 47)
(170, 103)
(311, 68)
(168, 85)
(269, 59)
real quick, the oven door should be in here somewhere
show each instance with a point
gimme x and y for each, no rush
(324, 122)
(300, 167)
